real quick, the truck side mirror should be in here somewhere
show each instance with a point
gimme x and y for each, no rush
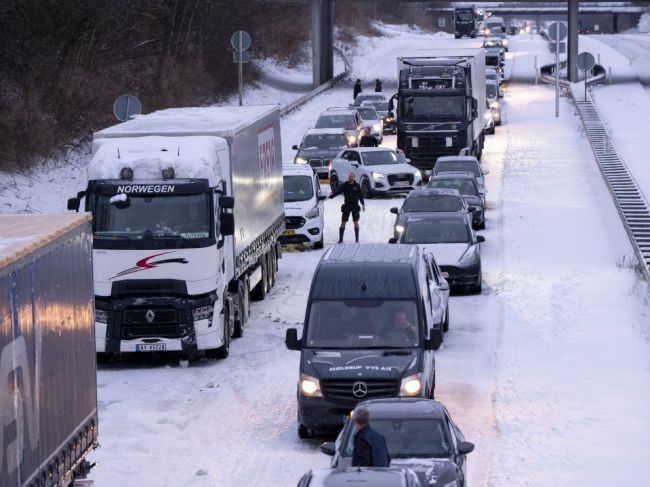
(227, 223)
(291, 339)
(227, 202)
(391, 106)
(474, 108)
(73, 204)
(480, 238)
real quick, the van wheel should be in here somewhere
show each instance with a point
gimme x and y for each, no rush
(321, 243)
(445, 325)
(438, 338)
(259, 292)
(223, 351)
(304, 432)
(334, 182)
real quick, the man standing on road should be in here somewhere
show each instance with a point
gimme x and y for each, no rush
(352, 197)
(357, 88)
(370, 448)
(367, 139)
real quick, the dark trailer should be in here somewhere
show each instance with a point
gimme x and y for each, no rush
(48, 388)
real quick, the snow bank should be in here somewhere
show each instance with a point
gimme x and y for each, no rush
(644, 24)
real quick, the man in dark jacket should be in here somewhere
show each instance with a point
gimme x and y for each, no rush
(370, 448)
(378, 87)
(352, 197)
(357, 88)
(367, 139)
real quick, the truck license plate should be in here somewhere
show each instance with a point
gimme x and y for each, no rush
(402, 183)
(150, 347)
(289, 233)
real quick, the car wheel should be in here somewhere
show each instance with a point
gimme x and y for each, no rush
(104, 357)
(445, 325)
(304, 432)
(366, 190)
(438, 337)
(497, 123)
(334, 182)
(321, 243)
(478, 286)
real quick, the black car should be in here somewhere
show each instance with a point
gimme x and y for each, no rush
(469, 188)
(420, 435)
(453, 243)
(429, 200)
(319, 147)
(370, 477)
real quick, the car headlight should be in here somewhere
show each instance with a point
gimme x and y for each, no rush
(470, 257)
(202, 313)
(377, 175)
(411, 386)
(313, 213)
(494, 105)
(389, 119)
(300, 160)
(101, 316)
(418, 174)
(310, 386)
(376, 127)
(399, 228)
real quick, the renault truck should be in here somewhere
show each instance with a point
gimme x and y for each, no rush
(187, 207)
(440, 105)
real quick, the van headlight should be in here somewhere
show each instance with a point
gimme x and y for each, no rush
(101, 316)
(411, 386)
(313, 213)
(300, 160)
(377, 175)
(310, 386)
(202, 313)
(418, 174)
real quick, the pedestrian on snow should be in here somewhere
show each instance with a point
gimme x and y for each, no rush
(367, 139)
(357, 88)
(352, 196)
(370, 448)
(378, 87)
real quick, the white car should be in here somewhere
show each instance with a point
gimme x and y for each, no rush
(373, 121)
(379, 170)
(303, 206)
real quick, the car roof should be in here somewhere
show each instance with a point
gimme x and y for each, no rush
(327, 131)
(424, 192)
(453, 175)
(352, 476)
(457, 159)
(413, 407)
(435, 216)
(370, 253)
(297, 170)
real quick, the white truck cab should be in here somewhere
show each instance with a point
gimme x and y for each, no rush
(303, 206)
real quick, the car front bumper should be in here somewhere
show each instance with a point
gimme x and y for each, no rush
(311, 231)
(458, 277)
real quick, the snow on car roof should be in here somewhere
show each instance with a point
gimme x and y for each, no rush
(326, 131)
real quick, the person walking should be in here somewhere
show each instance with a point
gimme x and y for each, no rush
(357, 88)
(367, 139)
(378, 86)
(370, 448)
(352, 197)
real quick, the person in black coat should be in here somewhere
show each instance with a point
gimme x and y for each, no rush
(357, 88)
(370, 448)
(378, 86)
(352, 196)
(367, 139)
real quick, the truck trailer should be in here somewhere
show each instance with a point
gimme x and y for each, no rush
(48, 387)
(440, 105)
(187, 208)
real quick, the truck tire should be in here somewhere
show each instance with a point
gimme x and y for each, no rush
(304, 432)
(223, 351)
(242, 305)
(258, 293)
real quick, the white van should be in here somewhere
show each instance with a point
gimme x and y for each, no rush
(303, 206)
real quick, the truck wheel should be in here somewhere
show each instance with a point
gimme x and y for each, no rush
(271, 267)
(438, 338)
(445, 325)
(242, 317)
(223, 351)
(259, 292)
(334, 182)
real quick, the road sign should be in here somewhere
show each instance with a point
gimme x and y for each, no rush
(552, 47)
(241, 57)
(126, 106)
(240, 41)
(585, 61)
(557, 31)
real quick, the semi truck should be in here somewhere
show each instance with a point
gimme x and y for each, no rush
(187, 208)
(440, 105)
(465, 21)
(48, 388)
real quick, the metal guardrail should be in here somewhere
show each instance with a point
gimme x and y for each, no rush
(297, 103)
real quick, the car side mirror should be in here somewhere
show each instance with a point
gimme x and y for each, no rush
(328, 448)
(295, 147)
(391, 106)
(291, 339)
(227, 223)
(322, 197)
(429, 344)
(465, 447)
(480, 238)
(482, 191)
(74, 203)
(227, 202)
(355, 164)
(392, 240)
(394, 210)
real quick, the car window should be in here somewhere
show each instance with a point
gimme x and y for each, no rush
(368, 113)
(443, 230)
(346, 155)
(380, 158)
(452, 433)
(336, 121)
(442, 202)
(324, 141)
(458, 166)
(431, 274)
(465, 187)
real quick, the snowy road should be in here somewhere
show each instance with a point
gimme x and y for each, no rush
(636, 48)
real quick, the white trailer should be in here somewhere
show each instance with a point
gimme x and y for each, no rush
(187, 209)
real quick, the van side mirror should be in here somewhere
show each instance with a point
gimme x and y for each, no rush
(294, 147)
(480, 238)
(464, 447)
(227, 223)
(227, 202)
(74, 203)
(328, 448)
(291, 339)
(394, 209)
(392, 240)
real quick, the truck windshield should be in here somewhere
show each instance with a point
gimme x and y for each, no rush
(464, 16)
(363, 323)
(440, 231)
(298, 188)
(325, 141)
(431, 107)
(142, 217)
(379, 158)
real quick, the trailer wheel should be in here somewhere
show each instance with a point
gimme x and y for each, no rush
(271, 268)
(259, 292)
(242, 306)
(223, 351)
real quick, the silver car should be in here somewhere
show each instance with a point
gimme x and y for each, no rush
(461, 164)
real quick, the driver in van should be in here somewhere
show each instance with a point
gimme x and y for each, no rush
(401, 325)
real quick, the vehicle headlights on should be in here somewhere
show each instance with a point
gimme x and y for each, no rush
(376, 127)
(494, 105)
(399, 228)
(388, 119)
(377, 175)
(300, 160)
(313, 213)
(310, 386)
(352, 139)
(488, 116)
(101, 316)
(470, 257)
(418, 174)
(411, 386)
(202, 313)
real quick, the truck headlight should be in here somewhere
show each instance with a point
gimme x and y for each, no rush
(202, 313)
(377, 175)
(101, 316)
(313, 213)
(494, 105)
(411, 385)
(310, 386)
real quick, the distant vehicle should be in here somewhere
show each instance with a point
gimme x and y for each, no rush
(379, 170)
(343, 118)
(465, 22)
(429, 200)
(372, 477)
(453, 243)
(494, 60)
(467, 185)
(492, 92)
(304, 215)
(373, 97)
(494, 25)
(318, 147)
(373, 121)
(492, 74)
(494, 43)
(382, 111)
(420, 435)
(375, 313)
(504, 39)
(490, 128)
(461, 163)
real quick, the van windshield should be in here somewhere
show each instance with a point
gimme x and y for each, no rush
(363, 323)
(298, 188)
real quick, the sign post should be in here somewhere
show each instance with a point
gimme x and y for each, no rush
(585, 62)
(240, 42)
(557, 32)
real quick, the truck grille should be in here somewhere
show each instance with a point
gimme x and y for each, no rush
(342, 389)
(318, 163)
(393, 178)
(293, 222)
(430, 148)
(130, 332)
(150, 316)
